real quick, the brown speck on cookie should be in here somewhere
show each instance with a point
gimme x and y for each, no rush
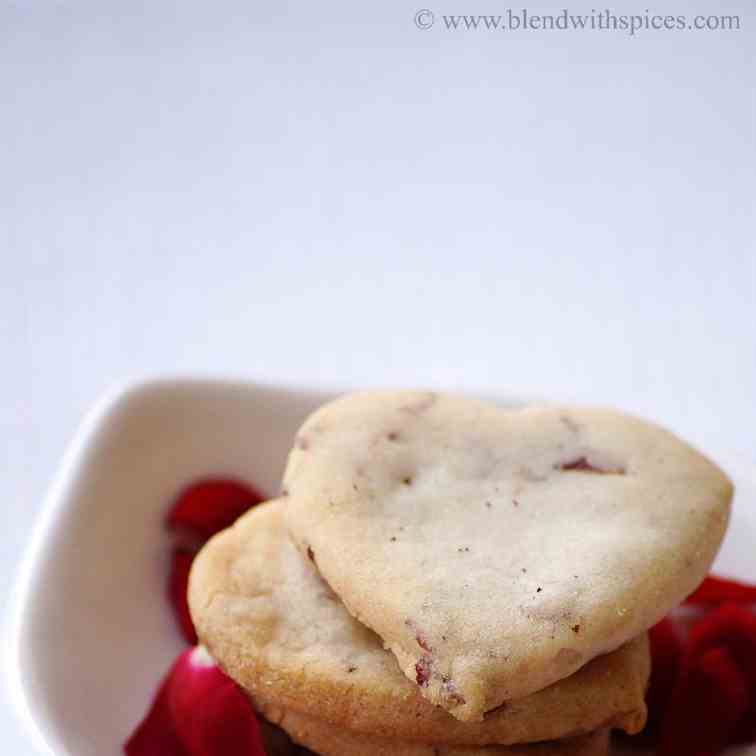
(576, 629)
(488, 504)
(351, 669)
(581, 464)
(311, 554)
(463, 549)
(393, 436)
(407, 481)
(539, 589)
(515, 502)
(392, 539)
(524, 570)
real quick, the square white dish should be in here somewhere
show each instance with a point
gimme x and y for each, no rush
(92, 631)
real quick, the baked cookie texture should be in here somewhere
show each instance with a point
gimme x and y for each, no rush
(327, 740)
(277, 629)
(497, 551)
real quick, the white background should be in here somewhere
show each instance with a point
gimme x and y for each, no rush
(322, 192)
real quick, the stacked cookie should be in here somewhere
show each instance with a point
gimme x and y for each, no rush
(442, 576)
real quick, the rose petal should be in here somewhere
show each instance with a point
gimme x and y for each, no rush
(729, 626)
(717, 590)
(198, 711)
(706, 706)
(746, 729)
(666, 655)
(211, 505)
(732, 627)
(213, 717)
(155, 735)
(178, 583)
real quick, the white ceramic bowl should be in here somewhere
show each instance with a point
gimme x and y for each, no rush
(92, 630)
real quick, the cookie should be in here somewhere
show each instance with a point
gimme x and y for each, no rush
(282, 634)
(497, 551)
(325, 739)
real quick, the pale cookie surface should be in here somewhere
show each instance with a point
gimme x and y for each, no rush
(281, 633)
(497, 551)
(326, 740)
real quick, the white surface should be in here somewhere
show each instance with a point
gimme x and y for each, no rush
(90, 644)
(325, 193)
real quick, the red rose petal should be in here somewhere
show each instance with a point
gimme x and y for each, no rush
(746, 729)
(155, 735)
(717, 590)
(213, 717)
(705, 708)
(211, 505)
(177, 587)
(733, 627)
(198, 711)
(666, 657)
(729, 626)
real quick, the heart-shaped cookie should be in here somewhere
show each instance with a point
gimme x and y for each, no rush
(497, 551)
(278, 630)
